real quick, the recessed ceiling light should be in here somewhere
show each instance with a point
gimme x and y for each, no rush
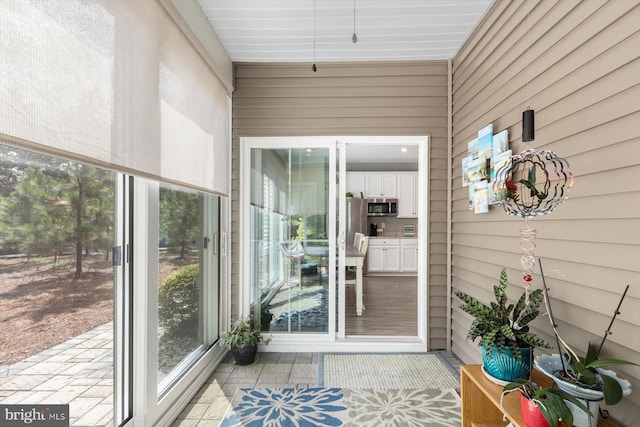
(404, 149)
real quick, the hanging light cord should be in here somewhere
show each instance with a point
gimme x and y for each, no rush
(313, 67)
(354, 38)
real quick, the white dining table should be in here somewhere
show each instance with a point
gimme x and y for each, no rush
(353, 258)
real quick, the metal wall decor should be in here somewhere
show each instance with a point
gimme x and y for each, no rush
(529, 184)
(532, 183)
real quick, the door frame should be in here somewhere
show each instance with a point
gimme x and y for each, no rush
(335, 340)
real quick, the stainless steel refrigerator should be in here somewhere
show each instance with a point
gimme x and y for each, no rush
(356, 221)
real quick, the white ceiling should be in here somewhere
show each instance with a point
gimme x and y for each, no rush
(387, 30)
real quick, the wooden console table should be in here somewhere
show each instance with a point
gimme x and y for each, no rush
(481, 400)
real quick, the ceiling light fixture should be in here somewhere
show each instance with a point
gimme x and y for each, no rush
(404, 149)
(313, 67)
(354, 38)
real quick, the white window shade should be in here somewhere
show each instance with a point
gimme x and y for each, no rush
(116, 82)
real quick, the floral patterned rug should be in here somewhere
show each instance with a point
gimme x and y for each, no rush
(307, 407)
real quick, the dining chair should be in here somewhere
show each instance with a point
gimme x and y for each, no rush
(293, 253)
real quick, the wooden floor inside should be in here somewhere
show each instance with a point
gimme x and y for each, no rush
(391, 304)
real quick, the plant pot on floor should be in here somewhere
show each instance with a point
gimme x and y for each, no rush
(244, 355)
(503, 366)
(242, 339)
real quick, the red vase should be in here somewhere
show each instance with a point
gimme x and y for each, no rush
(531, 414)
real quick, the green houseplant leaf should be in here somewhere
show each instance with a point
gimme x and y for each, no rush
(551, 401)
(585, 371)
(501, 324)
(242, 334)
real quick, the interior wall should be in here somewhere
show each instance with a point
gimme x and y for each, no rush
(578, 62)
(403, 98)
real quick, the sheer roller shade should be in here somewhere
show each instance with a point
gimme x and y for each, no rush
(115, 81)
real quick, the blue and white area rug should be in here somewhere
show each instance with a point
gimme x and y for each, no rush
(307, 407)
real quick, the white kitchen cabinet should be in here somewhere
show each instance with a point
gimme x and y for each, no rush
(409, 255)
(382, 184)
(392, 256)
(383, 255)
(356, 183)
(407, 194)
(373, 184)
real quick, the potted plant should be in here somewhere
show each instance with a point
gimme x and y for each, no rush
(584, 377)
(242, 339)
(349, 195)
(503, 331)
(543, 407)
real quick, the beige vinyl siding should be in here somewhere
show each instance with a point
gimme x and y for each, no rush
(368, 99)
(579, 64)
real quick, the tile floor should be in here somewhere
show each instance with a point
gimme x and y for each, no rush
(275, 370)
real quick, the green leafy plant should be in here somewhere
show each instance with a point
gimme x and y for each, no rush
(502, 324)
(584, 371)
(550, 401)
(178, 301)
(243, 334)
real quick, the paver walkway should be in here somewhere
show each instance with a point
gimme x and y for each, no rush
(78, 372)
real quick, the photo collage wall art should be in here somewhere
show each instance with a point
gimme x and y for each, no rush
(485, 154)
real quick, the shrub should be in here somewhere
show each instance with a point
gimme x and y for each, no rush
(178, 302)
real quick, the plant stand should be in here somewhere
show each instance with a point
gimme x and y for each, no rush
(481, 400)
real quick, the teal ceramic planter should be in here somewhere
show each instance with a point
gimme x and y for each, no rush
(504, 366)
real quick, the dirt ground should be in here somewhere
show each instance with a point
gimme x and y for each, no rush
(42, 306)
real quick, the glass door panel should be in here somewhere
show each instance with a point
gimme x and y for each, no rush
(187, 280)
(289, 232)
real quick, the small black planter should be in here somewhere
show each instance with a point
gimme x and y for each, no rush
(244, 355)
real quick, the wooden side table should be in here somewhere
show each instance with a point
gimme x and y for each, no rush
(481, 400)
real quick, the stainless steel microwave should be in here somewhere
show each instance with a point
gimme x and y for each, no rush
(382, 207)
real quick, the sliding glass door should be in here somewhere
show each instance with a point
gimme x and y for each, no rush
(304, 242)
(290, 225)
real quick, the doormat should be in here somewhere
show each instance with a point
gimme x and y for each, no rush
(387, 371)
(308, 407)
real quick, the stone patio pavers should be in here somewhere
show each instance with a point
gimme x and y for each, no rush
(78, 372)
